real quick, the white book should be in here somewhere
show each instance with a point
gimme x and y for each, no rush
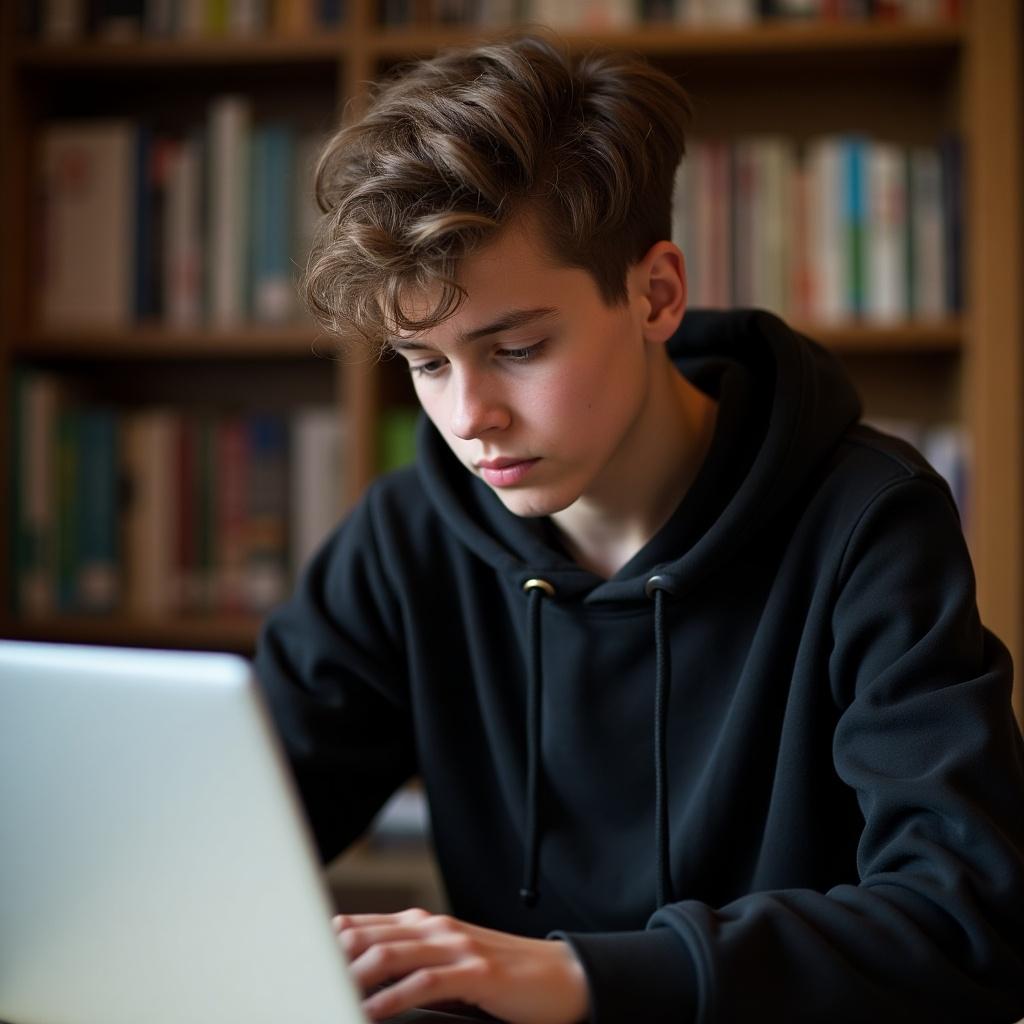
(927, 235)
(89, 187)
(886, 242)
(228, 178)
(149, 457)
(182, 236)
(829, 259)
(317, 461)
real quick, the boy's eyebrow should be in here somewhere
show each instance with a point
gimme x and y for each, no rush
(506, 322)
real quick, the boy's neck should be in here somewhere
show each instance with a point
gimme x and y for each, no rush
(648, 479)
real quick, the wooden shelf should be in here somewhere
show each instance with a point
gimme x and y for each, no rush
(942, 336)
(783, 38)
(147, 342)
(214, 632)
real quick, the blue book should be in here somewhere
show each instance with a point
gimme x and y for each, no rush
(272, 197)
(856, 212)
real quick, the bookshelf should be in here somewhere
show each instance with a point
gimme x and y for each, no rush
(909, 82)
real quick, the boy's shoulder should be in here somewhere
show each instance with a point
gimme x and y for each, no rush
(868, 461)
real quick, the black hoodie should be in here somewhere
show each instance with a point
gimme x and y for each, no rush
(766, 771)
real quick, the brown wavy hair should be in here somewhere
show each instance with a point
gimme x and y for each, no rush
(452, 148)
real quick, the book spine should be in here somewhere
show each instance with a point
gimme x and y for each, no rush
(316, 481)
(266, 556)
(96, 513)
(951, 157)
(886, 293)
(228, 206)
(929, 234)
(67, 489)
(35, 521)
(183, 232)
(856, 223)
(232, 484)
(89, 219)
(148, 521)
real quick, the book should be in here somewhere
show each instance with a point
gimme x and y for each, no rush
(271, 211)
(149, 523)
(95, 505)
(317, 480)
(886, 286)
(228, 207)
(36, 403)
(89, 184)
(265, 572)
(182, 262)
(927, 233)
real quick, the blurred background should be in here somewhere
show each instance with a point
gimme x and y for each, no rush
(177, 438)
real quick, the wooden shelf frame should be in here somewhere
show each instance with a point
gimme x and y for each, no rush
(976, 61)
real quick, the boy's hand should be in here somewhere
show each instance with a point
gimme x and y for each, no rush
(424, 959)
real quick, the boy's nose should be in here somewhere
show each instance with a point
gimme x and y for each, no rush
(476, 410)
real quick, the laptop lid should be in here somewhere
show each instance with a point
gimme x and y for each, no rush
(154, 862)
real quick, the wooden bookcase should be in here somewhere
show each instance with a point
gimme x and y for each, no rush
(908, 82)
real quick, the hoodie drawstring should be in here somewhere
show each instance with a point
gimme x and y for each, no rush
(536, 589)
(656, 588)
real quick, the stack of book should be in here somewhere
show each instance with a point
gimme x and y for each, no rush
(839, 229)
(127, 20)
(154, 511)
(588, 15)
(208, 228)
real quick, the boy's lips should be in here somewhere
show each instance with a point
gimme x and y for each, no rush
(505, 472)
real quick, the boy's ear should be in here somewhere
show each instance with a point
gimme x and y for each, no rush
(661, 280)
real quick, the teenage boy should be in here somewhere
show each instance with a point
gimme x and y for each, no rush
(687, 658)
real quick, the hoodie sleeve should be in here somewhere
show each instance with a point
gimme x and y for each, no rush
(926, 738)
(331, 665)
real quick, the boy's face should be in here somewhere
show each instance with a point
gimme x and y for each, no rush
(535, 383)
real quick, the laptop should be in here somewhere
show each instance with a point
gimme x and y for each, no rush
(155, 864)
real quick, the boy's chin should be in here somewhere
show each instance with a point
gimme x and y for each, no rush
(532, 503)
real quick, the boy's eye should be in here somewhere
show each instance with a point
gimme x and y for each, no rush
(521, 355)
(427, 369)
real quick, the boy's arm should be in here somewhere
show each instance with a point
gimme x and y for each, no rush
(331, 664)
(935, 929)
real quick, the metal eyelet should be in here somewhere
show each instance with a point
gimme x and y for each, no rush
(538, 584)
(656, 583)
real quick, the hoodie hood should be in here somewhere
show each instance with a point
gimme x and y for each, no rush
(789, 401)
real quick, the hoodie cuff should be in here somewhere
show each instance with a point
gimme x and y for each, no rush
(644, 976)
